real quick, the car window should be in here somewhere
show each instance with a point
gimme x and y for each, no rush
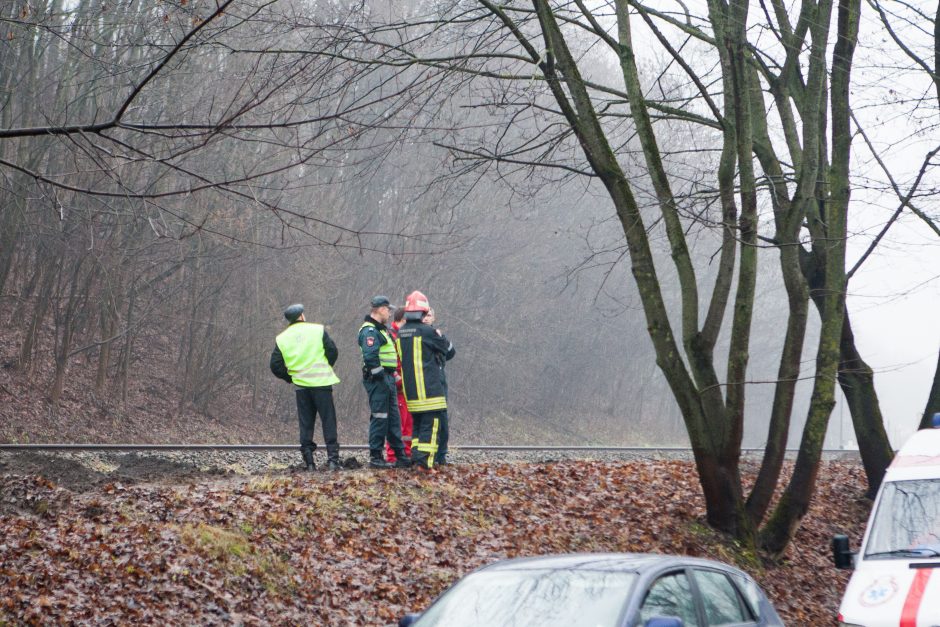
(670, 595)
(723, 604)
(752, 594)
(520, 598)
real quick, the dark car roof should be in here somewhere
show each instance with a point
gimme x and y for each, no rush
(622, 562)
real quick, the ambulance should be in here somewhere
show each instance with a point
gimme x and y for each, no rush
(896, 581)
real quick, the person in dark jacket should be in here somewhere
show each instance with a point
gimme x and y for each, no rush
(440, 457)
(304, 355)
(380, 362)
(423, 351)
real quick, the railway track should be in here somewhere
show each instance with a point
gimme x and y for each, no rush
(294, 447)
(83, 467)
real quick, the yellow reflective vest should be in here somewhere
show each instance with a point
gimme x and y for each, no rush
(381, 342)
(301, 345)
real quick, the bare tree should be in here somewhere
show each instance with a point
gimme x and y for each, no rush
(178, 146)
(542, 65)
(142, 157)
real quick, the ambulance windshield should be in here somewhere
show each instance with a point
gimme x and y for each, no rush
(907, 523)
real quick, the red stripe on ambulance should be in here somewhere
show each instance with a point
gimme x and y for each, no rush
(914, 597)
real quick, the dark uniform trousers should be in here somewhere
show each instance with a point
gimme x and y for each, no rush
(385, 421)
(443, 437)
(311, 401)
(429, 445)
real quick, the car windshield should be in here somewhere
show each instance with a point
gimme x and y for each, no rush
(547, 598)
(907, 523)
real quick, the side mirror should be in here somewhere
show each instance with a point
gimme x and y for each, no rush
(407, 620)
(841, 555)
(664, 621)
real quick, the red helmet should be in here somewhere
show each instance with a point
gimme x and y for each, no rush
(416, 301)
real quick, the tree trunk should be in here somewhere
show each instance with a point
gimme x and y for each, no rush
(48, 271)
(703, 410)
(857, 382)
(107, 323)
(724, 495)
(68, 322)
(858, 385)
(795, 501)
(933, 401)
(127, 352)
(936, 54)
(788, 221)
(784, 392)
(10, 216)
(828, 226)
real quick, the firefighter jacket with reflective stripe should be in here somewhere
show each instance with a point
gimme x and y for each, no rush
(423, 350)
(378, 348)
(305, 354)
(393, 331)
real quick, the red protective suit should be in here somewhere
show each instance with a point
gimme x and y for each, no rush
(407, 422)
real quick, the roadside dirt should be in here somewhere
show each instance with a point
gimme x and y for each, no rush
(43, 485)
(78, 477)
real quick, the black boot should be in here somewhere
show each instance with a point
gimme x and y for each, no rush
(308, 460)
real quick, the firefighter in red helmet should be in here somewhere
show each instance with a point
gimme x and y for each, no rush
(423, 350)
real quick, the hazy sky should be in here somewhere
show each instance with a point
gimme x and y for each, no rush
(895, 304)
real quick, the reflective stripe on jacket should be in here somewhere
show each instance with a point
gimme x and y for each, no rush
(301, 345)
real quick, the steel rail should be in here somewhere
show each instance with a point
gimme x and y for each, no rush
(295, 447)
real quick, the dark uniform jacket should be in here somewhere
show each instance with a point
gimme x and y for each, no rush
(279, 368)
(372, 336)
(423, 350)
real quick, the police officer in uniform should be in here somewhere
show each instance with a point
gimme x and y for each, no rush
(304, 355)
(380, 361)
(423, 351)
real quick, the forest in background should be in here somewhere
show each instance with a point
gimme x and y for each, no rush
(177, 173)
(149, 288)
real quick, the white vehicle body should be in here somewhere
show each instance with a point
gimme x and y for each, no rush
(896, 581)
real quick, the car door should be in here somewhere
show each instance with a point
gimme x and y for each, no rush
(670, 594)
(722, 601)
